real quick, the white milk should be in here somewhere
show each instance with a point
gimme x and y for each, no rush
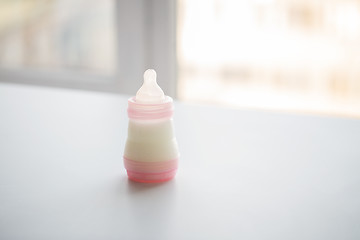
(151, 141)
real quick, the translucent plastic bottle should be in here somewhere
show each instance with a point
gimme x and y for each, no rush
(151, 152)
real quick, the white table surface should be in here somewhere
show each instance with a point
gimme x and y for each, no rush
(243, 174)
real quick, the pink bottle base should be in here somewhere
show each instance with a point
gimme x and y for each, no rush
(151, 177)
(150, 172)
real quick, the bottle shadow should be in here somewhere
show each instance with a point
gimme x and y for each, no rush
(137, 187)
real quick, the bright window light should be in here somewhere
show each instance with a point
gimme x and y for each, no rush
(298, 55)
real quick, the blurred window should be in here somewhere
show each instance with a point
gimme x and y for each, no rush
(58, 34)
(298, 55)
(88, 44)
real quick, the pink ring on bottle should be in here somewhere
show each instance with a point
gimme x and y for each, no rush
(150, 172)
(150, 111)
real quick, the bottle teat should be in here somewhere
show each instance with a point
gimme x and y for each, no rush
(150, 92)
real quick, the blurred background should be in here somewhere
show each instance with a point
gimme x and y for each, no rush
(284, 55)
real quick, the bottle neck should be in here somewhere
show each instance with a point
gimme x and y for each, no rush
(144, 111)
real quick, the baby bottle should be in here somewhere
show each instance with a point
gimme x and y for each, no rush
(151, 152)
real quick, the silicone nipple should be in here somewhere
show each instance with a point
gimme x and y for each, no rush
(150, 92)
